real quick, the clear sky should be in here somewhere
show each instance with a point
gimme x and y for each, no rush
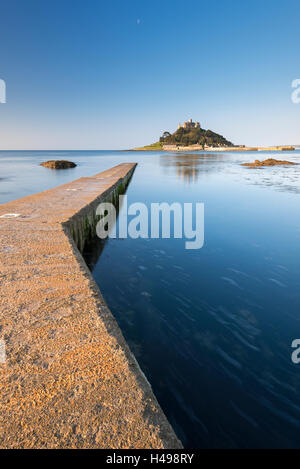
(97, 74)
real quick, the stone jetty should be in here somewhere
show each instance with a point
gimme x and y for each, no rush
(67, 377)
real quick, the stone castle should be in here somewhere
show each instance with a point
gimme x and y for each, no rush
(190, 125)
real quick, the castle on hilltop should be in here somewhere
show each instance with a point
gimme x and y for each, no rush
(190, 125)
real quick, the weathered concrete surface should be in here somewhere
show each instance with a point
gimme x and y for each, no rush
(70, 380)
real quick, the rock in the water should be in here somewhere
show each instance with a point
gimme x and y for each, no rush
(58, 164)
(268, 162)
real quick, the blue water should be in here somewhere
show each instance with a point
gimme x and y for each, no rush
(212, 329)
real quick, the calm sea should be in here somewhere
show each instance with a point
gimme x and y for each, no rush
(211, 329)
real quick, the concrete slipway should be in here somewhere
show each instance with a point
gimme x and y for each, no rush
(69, 379)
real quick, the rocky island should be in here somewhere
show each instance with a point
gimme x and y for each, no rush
(190, 136)
(268, 162)
(58, 164)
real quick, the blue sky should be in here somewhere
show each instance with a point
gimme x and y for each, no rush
(114, 74)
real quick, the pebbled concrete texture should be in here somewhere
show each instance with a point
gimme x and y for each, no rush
(69, 379)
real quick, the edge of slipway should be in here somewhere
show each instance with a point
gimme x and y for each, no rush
(67, 376)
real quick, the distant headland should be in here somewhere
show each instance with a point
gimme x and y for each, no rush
(190, 137)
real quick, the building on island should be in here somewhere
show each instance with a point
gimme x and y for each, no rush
(189, 125)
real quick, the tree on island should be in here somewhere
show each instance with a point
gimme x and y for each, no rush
(194, 136)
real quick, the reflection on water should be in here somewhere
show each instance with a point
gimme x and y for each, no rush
(276, 177)
(212, 329)
(189, 166)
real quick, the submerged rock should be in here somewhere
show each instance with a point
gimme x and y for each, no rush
(268, 162)
(58, 164)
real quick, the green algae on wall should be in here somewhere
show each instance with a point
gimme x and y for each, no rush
(83, 225)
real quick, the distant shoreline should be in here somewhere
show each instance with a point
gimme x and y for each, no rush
(210, 149)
